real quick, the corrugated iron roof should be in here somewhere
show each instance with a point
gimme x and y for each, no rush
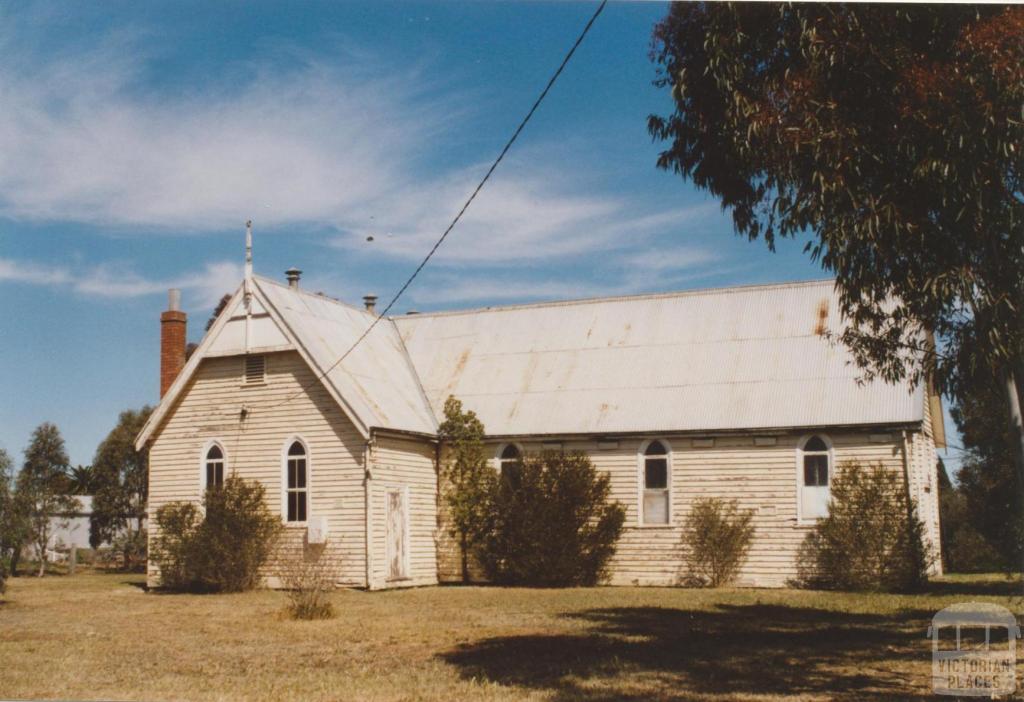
(724, 359)
(376, 380)
(712, 360)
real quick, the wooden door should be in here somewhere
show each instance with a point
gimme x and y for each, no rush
(397, 536)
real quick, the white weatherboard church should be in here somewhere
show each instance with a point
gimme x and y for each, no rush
(734, 393)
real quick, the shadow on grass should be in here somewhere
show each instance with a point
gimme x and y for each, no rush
(994, 586)
(642, 653)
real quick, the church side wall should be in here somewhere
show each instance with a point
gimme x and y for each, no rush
(760, 473)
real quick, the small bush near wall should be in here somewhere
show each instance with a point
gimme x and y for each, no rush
(717, 534)
(177, 524)
(871, 539)
(222, 548)
(467, 480)
(130, 546)
(308, 578)
(550, 523)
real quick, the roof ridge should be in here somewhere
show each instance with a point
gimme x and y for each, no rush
(724, 290)
(316, 296)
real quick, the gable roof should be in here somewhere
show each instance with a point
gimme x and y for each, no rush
(375, 385)
(724, 359)
(376, 380)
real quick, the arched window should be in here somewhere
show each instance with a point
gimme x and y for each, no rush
(213, 467)
(815, 469)
(655, 504)
(509, 457)
(296, 482)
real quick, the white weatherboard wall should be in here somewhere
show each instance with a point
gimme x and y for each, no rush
(407, 465)
(735, 369)
(209, 409)
(762, 478)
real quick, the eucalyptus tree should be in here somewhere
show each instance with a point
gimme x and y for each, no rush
(893, 136)
(122, 486)
(40, 492)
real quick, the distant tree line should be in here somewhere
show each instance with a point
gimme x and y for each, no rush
(37, 499)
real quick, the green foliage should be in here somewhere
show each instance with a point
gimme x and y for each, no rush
(893, 134)
(871, 539)
(39, 494)
(13, 523)
(131, 547)
(121, 479)
(466, 478)
(82, 480)
(964, 549)
(551, 523)
(177, 526)
(718, 535)
(6, 516)
(222, 548)
(986, 504)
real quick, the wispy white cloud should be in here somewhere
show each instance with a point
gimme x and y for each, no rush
(34, 273)
(81, 141)
(623, 275)
(203, 288)
(529, 213)
(674, 259)
(352, 149)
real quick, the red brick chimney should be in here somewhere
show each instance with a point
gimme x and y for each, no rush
(172, 340)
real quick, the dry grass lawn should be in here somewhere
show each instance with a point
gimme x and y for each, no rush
(97, 636)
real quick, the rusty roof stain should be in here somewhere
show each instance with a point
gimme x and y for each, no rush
(719, 359)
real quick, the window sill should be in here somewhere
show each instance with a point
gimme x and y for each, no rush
(670, 525)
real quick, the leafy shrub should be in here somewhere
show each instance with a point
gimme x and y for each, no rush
(128, 547)
(870, 540)
(467, 479)
(718, 536)
(969, 552)
(964, 549)
(309, 580)
(177, 526)
(223, 549)
(550, 523)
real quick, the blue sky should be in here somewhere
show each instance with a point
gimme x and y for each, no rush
(136, 139)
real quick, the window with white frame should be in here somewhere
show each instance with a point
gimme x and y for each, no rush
(509, 458)
(296, 482)
(656, 499)
(213, 467)
(815, 472)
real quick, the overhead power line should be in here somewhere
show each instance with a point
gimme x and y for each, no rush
(462, 211)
